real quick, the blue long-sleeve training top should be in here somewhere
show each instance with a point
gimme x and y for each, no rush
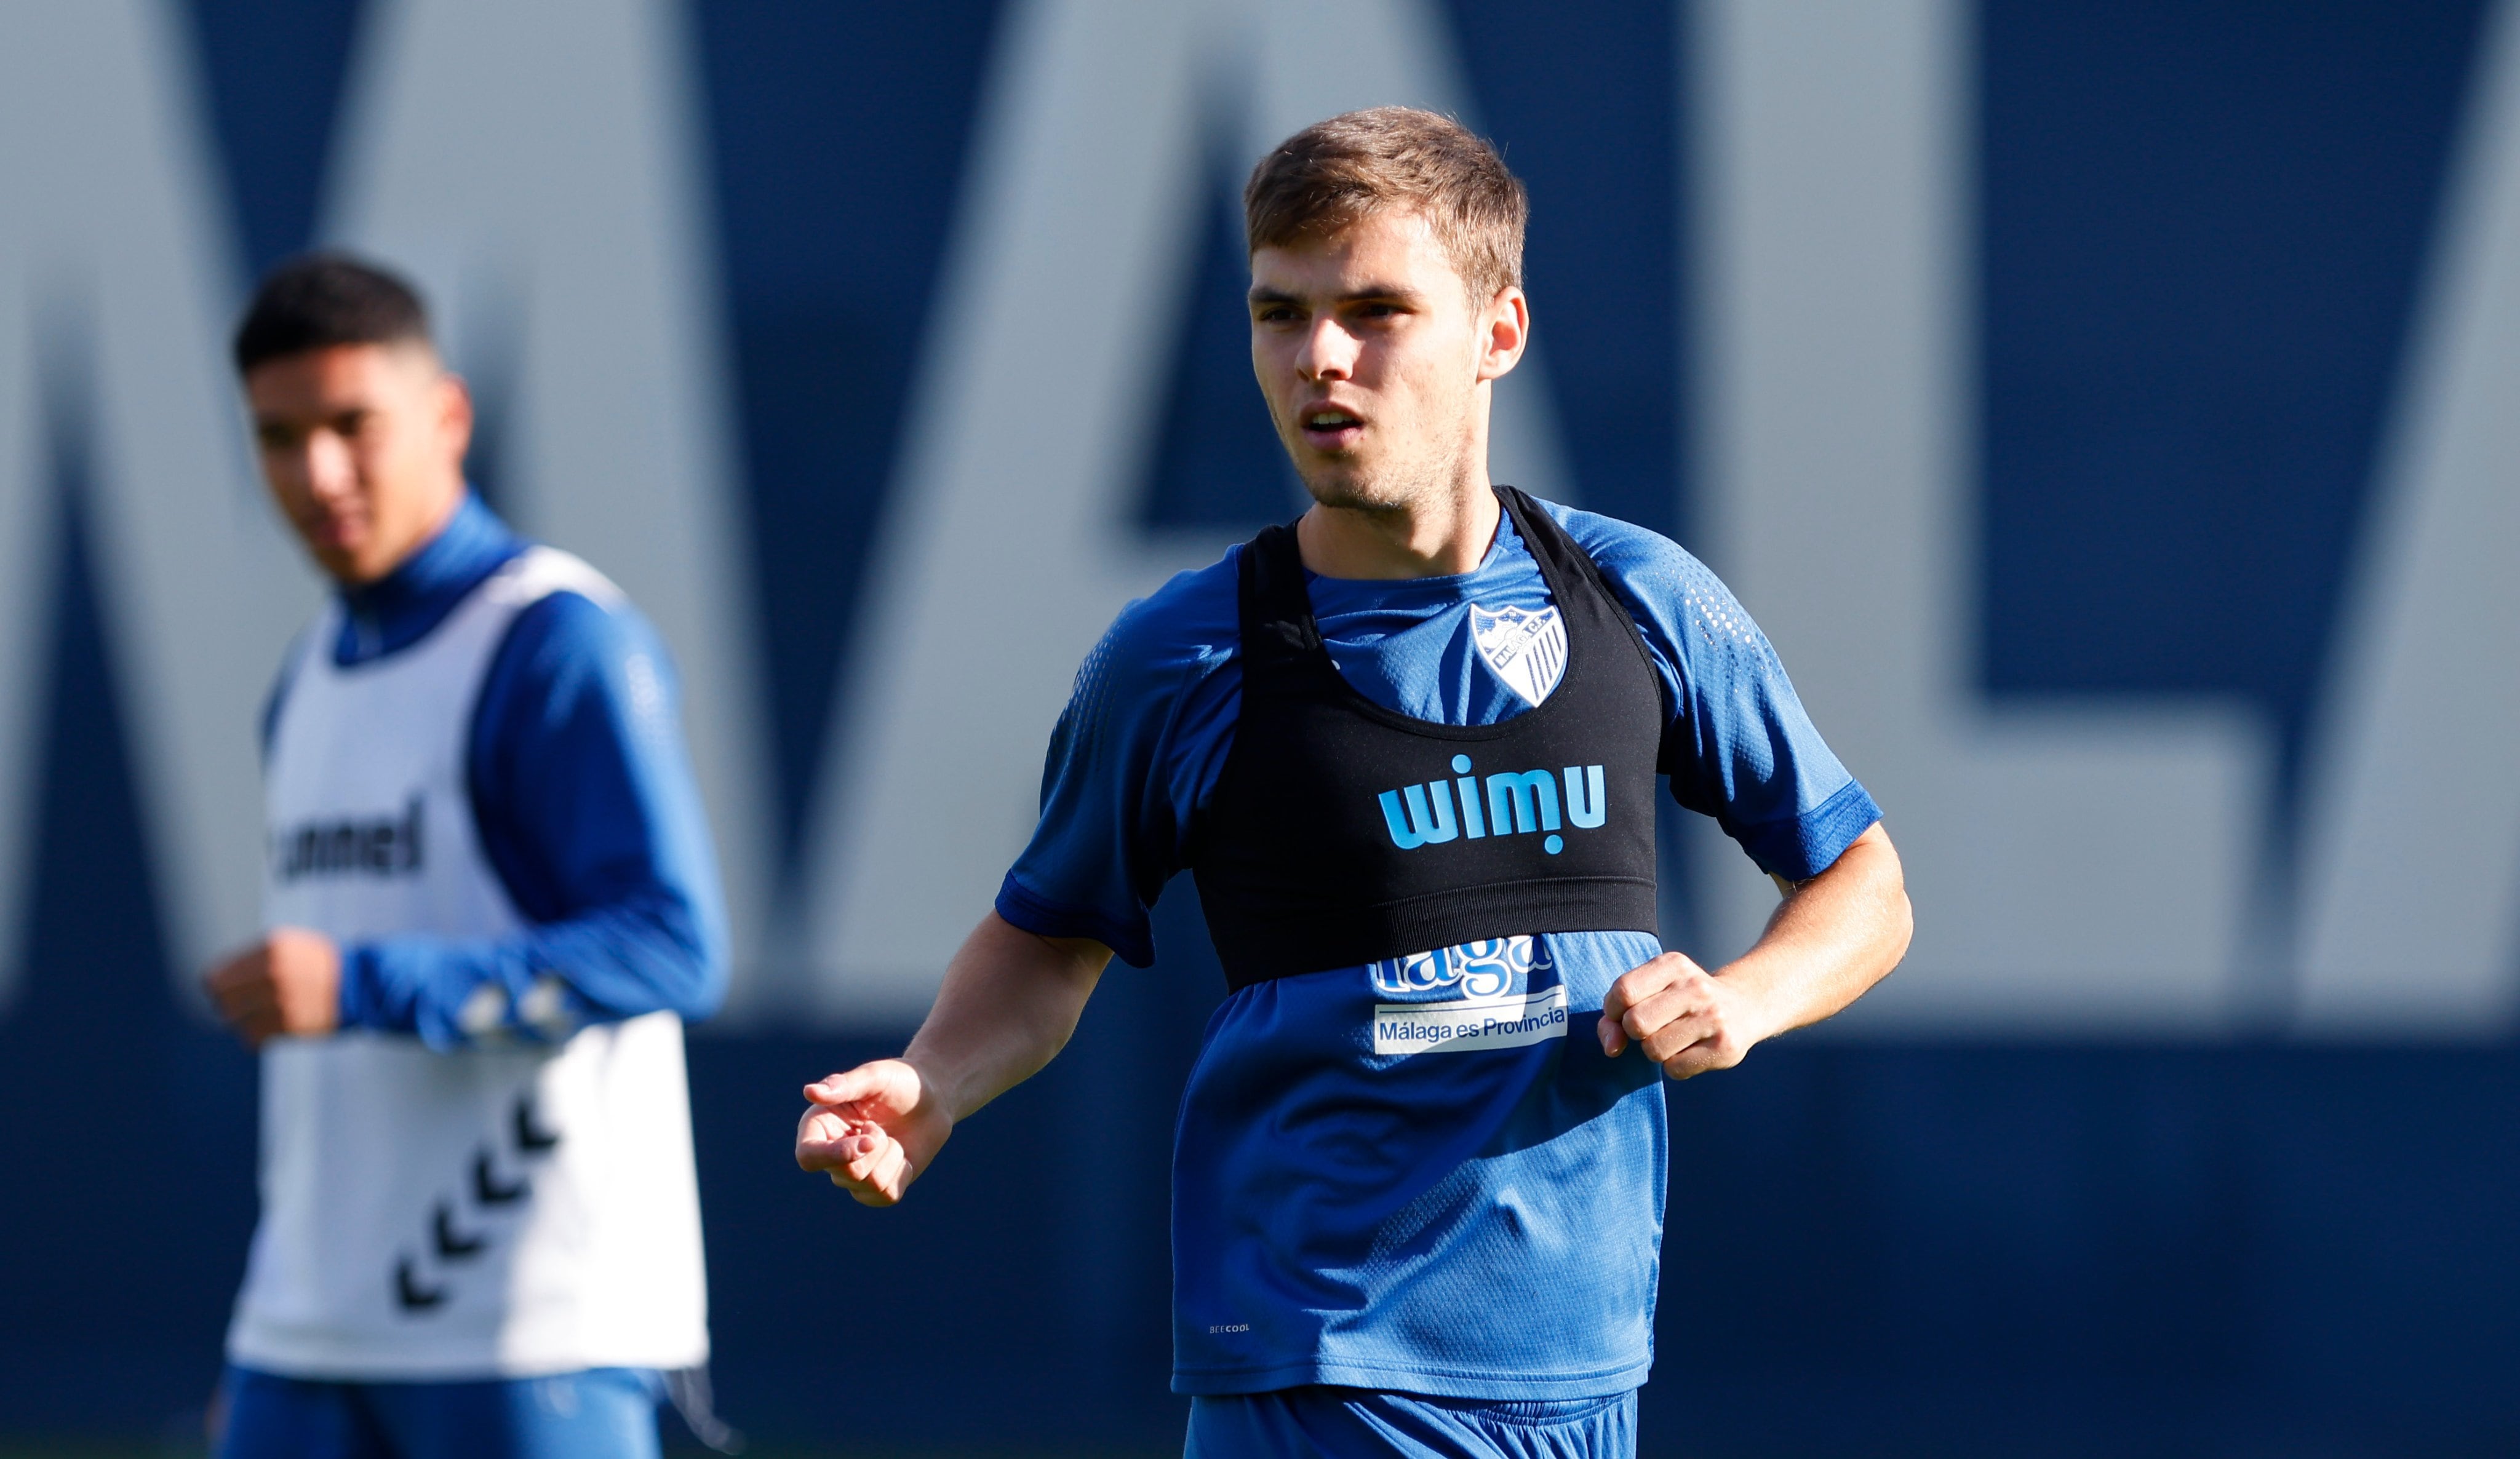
(586, 805)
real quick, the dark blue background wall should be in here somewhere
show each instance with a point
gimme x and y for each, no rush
(2202, 228)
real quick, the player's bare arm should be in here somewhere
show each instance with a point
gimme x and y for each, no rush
(1833, 937)
(1010, 1001)
(289, 982)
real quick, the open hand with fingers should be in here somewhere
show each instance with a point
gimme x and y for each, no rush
(1684, 1017)
(873, 1130)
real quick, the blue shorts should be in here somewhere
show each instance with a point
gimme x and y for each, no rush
(603, 1414)
(1340, 1421)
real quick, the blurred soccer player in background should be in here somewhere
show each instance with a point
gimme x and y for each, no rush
(1407, 746)
(490, 905)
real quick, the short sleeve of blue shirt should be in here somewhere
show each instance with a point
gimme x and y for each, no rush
(1740, 746)
(1138, 751)
(1135, 754)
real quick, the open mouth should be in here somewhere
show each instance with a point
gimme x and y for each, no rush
(1330, 427)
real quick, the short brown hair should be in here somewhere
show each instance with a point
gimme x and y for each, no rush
(1323, 179)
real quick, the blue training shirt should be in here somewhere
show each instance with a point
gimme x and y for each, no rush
(1475, 1223)
(584, 799)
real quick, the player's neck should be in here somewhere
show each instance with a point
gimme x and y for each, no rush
(1439, 536)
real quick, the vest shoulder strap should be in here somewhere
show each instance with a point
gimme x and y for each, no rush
(1274, 611)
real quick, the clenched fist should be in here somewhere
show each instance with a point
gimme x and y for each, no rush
(288, 983)
(1684, 1017)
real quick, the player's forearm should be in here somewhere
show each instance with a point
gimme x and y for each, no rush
(650, 951)
(1010, 1001)
(1833, 937)
(655, 948)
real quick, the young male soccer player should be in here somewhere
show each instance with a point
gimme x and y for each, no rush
(1408, 747)
(491, 903)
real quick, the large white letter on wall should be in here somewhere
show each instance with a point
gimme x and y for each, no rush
(2077, 869)
(115, 295)
(2410, 900)
(538, 168)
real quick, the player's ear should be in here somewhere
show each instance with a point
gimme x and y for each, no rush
(1505, 330)
(455, 411)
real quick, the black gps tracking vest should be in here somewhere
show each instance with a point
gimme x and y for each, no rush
(1342, 833)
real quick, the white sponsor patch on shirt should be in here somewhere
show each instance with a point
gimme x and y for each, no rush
(1511, 1021)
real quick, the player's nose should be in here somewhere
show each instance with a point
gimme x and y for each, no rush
(331, 471)
(1329, 351)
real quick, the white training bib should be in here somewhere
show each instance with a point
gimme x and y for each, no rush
(497, 1212)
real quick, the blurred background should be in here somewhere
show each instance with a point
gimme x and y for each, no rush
(2112, 411)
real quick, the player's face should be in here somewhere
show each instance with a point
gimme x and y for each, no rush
(363, 448)
(1375, 360)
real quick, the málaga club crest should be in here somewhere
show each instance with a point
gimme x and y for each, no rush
(1525, 647)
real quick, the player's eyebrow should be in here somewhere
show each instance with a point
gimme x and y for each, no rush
(1397, 294)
